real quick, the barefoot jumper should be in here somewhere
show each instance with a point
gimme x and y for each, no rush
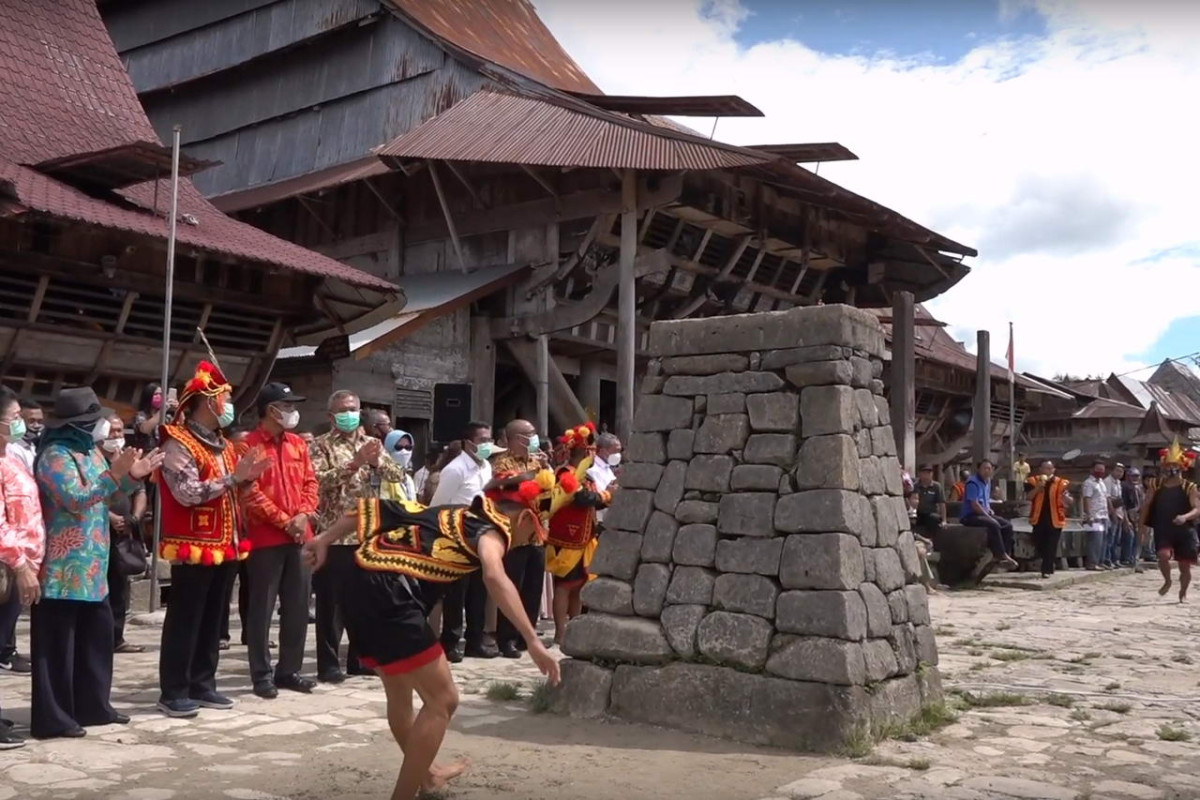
(1170, 509)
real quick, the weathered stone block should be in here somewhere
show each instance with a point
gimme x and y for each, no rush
(827, 409)
(877, 387)
(695, 545)
(898, 606)
(883, 441)
(662, 413)
(879, 613)
(724, 383)
(730, 403)
(860, 369)
(680, 624)
(640, 475)
(885, 413)
(722, 433)
(871, 471)
(786, 486)
(778, 359)
(701, 404)
(828, 462)
(652, 385)
(904, 643)
(696, 511)
(862, 440)
(771, 448)
(646, 448)
(868, 412)
(889, 574)
(839, 615)
(679, 444)
(630, 639)
(747, 514)
(880, 660)
(755, 476)
(670, 487)
(887, 528)
(742, 333)
(750, 555)
(779, 411)
(659, 539)
(617, 555)
(892, 477)
(691, 586)
(868, 566)
(609, 596)
(584, 690)
(927, 651)
(705, 365)
(820, 373)
(822, 511)
(910, 560)
(723, 702)
(918, 604)
(650, 589)
(740, 640)
(819, 659)
(747, 594)
(900, 506)
(629, 510)
(709, 473)
(821, 561)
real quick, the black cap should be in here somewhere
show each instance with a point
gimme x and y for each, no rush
(276, 393)
(925, 468)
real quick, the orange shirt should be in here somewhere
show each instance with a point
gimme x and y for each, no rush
(287, 488)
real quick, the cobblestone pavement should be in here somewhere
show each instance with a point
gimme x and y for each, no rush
(1105, 670)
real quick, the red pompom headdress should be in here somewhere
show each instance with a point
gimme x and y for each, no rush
(1175, 454)
(580, 436)
(208, 381)
(528, 492)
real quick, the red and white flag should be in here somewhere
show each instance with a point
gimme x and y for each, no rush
(1011, 361)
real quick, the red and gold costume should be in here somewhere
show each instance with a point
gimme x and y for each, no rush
(572, 530)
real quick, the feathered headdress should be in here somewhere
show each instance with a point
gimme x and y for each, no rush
(580, 436)
(1175, 454)
(524, 488)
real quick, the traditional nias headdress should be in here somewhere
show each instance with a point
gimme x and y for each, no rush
(528, 490)
(208, 381)
(580, 436)
(1175, 454)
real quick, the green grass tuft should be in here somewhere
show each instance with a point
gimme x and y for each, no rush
(1080, 715)
(1112, 687)
(503, 692)
(1011, 655)
(1116, 708)
(993, 699)
(1061, 700)
(859, 743)
(1171, 733)
(541, 698)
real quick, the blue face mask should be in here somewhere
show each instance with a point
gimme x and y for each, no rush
(347, 421)
(485, 451)
(226, 418)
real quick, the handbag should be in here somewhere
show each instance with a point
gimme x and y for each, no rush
(130, 555)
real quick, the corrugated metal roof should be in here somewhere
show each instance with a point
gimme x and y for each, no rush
(1103, 408)
(689, 106)
(65, 92)
(505, 32)
(1137, 389)
(524, 129)
(327, 178)
(808, 153)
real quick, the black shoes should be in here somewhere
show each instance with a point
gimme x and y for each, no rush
(213, 700)
(8, 739)
(119, 719)
(17, 663)
(295, 683)
(484, 650)
(266, 690)
(454, 654)
(332, 676)
(509, 650)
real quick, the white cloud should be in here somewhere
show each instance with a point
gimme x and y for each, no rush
(1068, 160)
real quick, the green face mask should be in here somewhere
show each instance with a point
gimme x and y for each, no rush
(226, 418)
(347, 421)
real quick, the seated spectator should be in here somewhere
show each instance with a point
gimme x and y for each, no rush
(931, 501)
(977, 513)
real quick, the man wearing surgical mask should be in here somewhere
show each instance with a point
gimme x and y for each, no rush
(35, 423)
(608, 458)
(279, 508)
(350, 466)
(399, 447)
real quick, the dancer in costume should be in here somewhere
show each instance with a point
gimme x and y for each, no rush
(1170, 508)
(200, 538)
(408, 555)
(572, 530)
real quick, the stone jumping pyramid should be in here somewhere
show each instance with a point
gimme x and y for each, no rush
(758, 579)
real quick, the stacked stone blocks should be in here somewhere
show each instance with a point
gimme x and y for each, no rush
(757, 576)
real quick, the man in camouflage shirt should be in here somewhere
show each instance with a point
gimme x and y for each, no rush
(350, 465)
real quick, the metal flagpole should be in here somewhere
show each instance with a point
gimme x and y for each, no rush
(166, 351)
(1012, 411)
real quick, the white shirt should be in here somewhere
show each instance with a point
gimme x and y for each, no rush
(601, 474)
(1095, 500)
(25, 452)
(461, 481)
(420, 478)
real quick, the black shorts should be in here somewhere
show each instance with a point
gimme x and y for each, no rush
(388, 623)
(1179, 542)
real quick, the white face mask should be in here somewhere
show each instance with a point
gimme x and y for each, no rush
(288, 419)
(101, 429)
(402, 457)
(614, 460)
(113, 445)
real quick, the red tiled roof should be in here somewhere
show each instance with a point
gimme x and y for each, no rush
(64, 91)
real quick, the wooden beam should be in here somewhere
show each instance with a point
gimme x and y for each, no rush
(932, 263)
(627, 307)
(185, 352)
(903, 398)
(106, 348)
(981, 419)
(304, 203)
(396, 215)
(703, 245)
(738, 251)
(758, 259)
(562, 403)
(531, 172)
(602, 222)
(456, 172)
(646, 220)
(441, 196)
(35, 308)
(482, 369)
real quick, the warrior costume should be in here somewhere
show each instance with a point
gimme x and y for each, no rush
(1168, 502)
(571, 533)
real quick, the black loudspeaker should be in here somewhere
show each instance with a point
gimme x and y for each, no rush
(451, 410)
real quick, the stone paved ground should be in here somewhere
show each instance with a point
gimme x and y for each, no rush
(1117, 662)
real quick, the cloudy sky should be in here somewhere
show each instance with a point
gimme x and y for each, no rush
(1059, 137)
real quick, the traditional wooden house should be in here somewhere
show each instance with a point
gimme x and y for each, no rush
(83, 207)
(457, 148)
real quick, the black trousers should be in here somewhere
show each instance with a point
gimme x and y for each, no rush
(277, 573)
(118, 601)
(191, 636)
(10, 611)
(464, 602)
(243, 584)
(1046, 537)
(526, 568)
(72, 652)
(328, 583)
(999, 533)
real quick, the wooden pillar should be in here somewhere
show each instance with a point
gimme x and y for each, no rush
(543, 385)
(982, 418)
(482, 370)
(627, 306)
(590, 375)
(903, 389)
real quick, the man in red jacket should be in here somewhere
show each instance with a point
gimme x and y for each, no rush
(278, 509)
